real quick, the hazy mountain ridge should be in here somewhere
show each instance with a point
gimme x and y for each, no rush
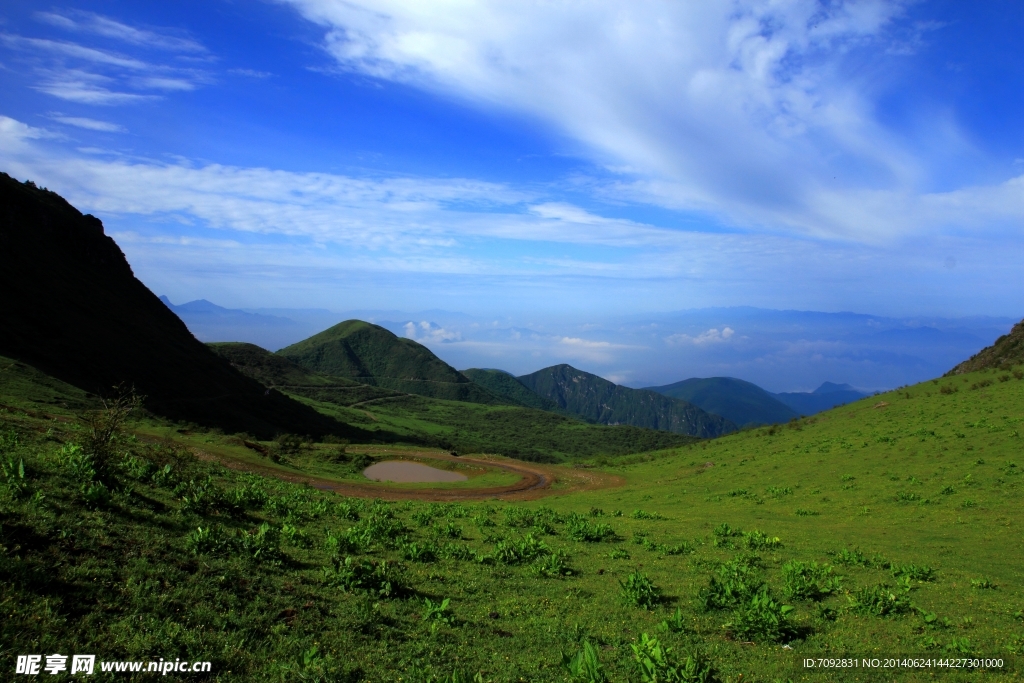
(597, 400)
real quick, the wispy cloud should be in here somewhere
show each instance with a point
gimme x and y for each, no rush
(97, 75)
(96, 24)
(88, 124)
(742, 109)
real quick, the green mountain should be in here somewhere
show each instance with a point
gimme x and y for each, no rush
(388, 416)
(1006, 352)
(505, 385)
(740, 402)
(72, 308)
(280, 373)
(370, 354)
(598, 400)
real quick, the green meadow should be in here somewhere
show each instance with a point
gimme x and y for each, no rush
(886, 527)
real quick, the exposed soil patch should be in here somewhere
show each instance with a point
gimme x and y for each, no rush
(535, 480)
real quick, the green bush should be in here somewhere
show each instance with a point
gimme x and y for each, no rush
(579, 528)
(880, 600)
(737, 581)
(381, 578)
(809, 580)
(584, 666)
(553, 566)
(639, 591)
(762, 618)
(656, 664)
(261, 544)
(519, 551)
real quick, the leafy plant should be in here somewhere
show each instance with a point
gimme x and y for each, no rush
(879, 600)
(761, 618)
(381, 578)
(757, 540)
(579, 528)
(639, 591)
(809, 580)
(656, 664)
(438, 612)
(208, 540)
(913, 572)
(641, 514)
(736, 582)
(262, 543)
(584, 666)
(674, 623)
(552, 566)
(983, 584)
(419, 552)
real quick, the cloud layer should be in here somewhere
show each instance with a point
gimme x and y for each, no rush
(750, 110)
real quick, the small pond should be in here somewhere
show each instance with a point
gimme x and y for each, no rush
(402, 471)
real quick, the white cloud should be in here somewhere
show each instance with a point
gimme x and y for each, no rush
(740, 108)
(430, 333)
(88, 124)
(96, 24)
(712, 336)
(76, 85)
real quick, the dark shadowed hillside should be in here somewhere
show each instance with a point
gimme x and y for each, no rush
(598, 400)
(737, 401)
(72, 308)
(1007, 351)
(369, 354)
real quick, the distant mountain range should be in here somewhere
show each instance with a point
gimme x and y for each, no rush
(597, 400)
(828, 395)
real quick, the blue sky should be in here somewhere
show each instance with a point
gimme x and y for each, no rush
(498, 158)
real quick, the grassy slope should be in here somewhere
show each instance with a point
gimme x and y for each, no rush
(740, 402)
(515, 431)
(121, 578)
(373, 355)
(597, 400)
(1007, 351)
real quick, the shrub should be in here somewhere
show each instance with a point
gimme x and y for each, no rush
(983, 584)
(947, 389)
(757, 540)
(657, 665)
(436, 613)
(641, 514)
(801, 512)
(419, 552)
(519, 551)
(250, 494)
(723, 535)
(809, 580)
(198, 497)
(519, 517)
(553, 566)
(674, 624)
(761, 618)
(584, 666)
(736, 582)
(13, 475)
(639, 591)
(381, 579)
(579, 528)
(913, 571)
(210, 540)
(880, 601)
(262, 543)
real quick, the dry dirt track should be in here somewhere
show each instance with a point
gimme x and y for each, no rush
(536, 481)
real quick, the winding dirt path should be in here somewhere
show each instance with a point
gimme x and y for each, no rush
(535, 481)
